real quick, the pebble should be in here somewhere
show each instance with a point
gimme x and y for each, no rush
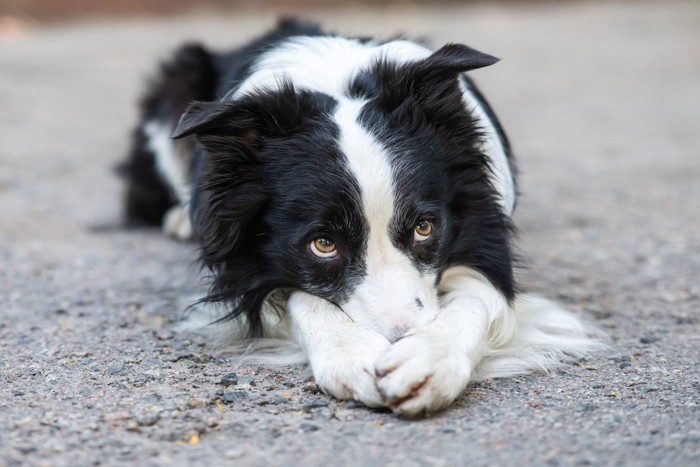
(587, 407)
(147, 418)
(314, 404)
(308, 427)
(164, 335)
(352, 404)
(312, 387)
(276, 400)
(229, 380)
(648, 339)
(116, 369)
(233, 396)
(246, 381)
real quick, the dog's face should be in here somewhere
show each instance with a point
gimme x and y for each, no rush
(362, 201)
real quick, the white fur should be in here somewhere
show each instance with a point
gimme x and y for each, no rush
(172, 167)
(176, 222)
(501, 174)
(469, 333)
(328, 65)
(475, 336)
(323, 64)
(386, 266)
(168, 164)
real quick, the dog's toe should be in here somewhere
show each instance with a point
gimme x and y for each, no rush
(416, 376)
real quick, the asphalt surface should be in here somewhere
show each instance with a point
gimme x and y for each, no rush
(602, 102)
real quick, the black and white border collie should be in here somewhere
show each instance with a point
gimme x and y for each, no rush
(353, 196)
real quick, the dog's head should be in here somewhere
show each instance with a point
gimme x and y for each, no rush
(362, 199)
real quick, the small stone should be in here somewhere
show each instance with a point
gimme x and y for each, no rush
(246, 381)
(276, 400)
(312, 387)
(625, 364)
(116, 416)
(233, 396)
(116, 369)
(194, 403)
(648, 339)
(308, 427)
(314, 404)
(164, 335)
(352, 404)
(229, 380)
(179, 345)
(147, 418)
(143, 377)
(685, 320)
(587, 407)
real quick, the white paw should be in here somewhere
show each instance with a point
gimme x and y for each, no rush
(420, 374)
(176, 223)
(341, 352)
(349, 373)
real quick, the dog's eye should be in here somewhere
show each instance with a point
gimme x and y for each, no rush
(422, 231)
(324, 248)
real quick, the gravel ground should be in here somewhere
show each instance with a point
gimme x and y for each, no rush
(601, 101)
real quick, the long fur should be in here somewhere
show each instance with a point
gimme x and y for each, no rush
(386, 157)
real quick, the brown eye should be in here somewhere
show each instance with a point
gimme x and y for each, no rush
(423, 230)
(324, 248)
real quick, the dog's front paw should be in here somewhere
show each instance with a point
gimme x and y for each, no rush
(176, 223)
(349, 373)
(341, 352)
(420, 374)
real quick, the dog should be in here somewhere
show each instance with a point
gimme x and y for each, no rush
(354, 196)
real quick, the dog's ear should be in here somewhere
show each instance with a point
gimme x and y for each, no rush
(203, 117)
(430, 78)
(450, 60)
(277, 112)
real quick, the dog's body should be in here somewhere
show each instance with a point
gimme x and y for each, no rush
(363, 191)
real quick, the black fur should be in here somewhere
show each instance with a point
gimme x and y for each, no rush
(417, 112)
(254, 214)
(269, 177)
(190, 75)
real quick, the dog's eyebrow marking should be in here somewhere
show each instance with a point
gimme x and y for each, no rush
(369, 163)
(419, 304)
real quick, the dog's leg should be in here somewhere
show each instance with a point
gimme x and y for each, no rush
(429, 367)
(342, 353)
(158, 170)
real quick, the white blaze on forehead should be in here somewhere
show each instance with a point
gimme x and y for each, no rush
(324, 64)
(385, 300)
(369, 163)
(329, 64)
